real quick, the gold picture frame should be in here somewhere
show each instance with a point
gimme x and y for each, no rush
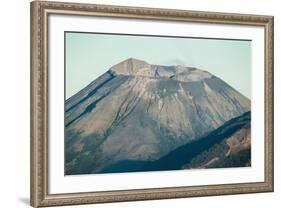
(39, 103)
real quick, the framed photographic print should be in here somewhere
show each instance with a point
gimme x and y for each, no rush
(143, 103)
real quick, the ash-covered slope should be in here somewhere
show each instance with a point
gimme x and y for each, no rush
(227, 146)
(139, 111)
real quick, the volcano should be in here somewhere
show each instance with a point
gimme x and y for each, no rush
(138, 111)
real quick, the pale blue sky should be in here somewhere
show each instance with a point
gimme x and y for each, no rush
(89, 55)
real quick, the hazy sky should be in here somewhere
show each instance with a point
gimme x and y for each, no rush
(90, 55)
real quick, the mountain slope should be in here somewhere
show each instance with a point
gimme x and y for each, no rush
(139, 111)
(227, 146)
